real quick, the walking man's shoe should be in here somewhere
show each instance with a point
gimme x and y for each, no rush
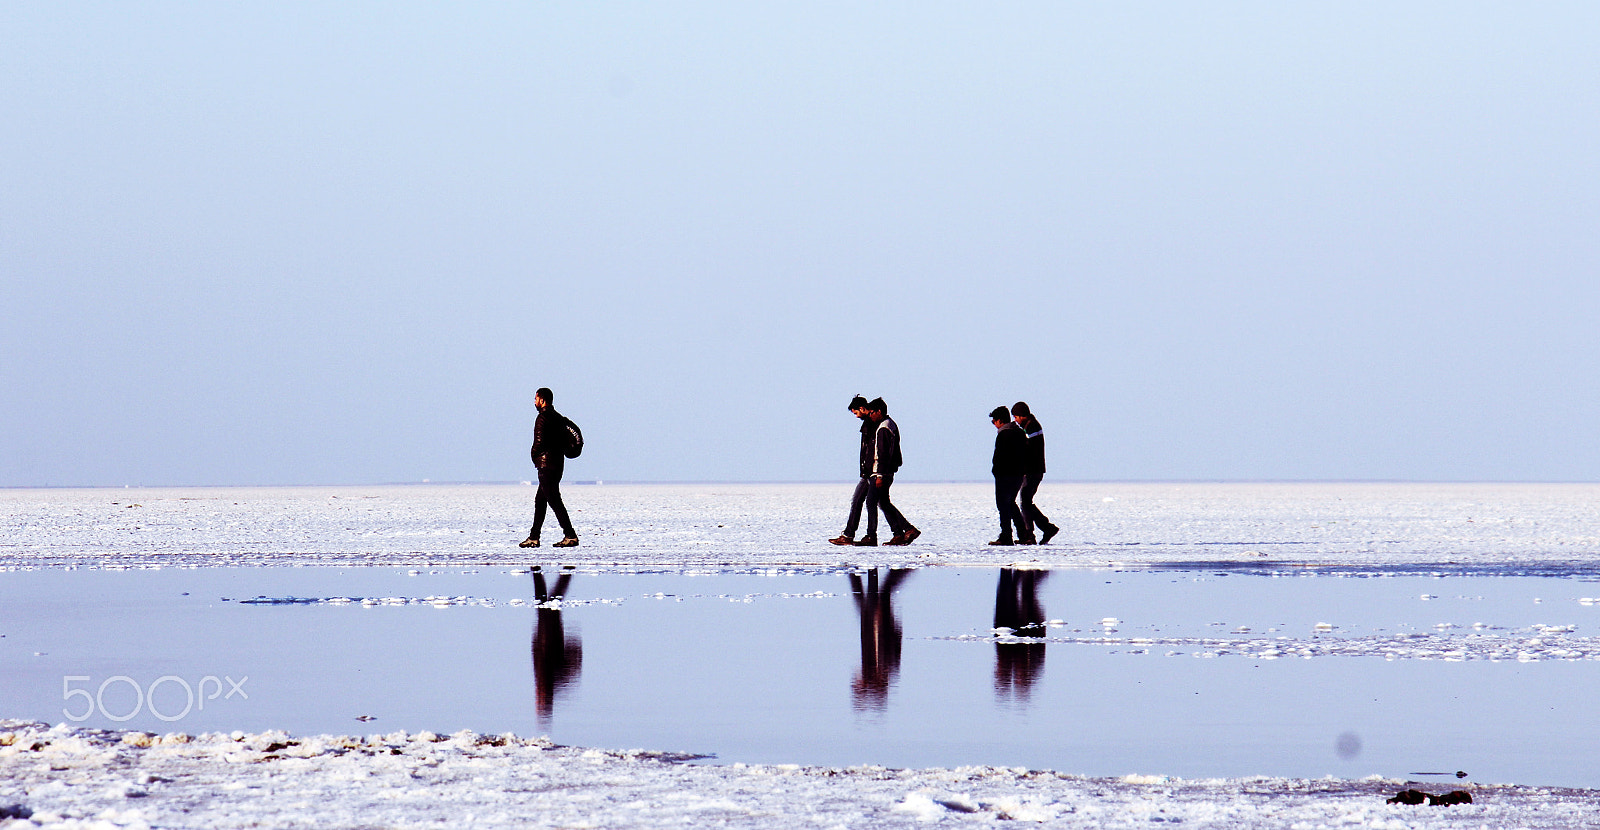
(529, 542)
(569, 542)
(867, 541)
(1027, 540)
(1050, 532)
(911, 535)
(1003, 540)
(897, 539)
(842, 539)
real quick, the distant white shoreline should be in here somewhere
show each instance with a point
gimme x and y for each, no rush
(840, 481)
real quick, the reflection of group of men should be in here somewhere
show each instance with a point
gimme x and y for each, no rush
(1018, 469)
(1019, 656)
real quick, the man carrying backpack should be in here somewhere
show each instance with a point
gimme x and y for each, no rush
(551, 443)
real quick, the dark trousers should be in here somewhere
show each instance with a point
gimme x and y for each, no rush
(1005, 498)
(878, 499)
(550, 494)
(1032, 516)
(856, 501)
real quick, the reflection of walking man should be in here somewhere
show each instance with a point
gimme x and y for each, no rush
(549, 455)
(885, 461)
(1010, 451)
(557, 658)
(858, 408)
(1016, 606)
(880, 637)
(1033, 473)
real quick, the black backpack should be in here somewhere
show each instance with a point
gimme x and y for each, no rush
(574, 436)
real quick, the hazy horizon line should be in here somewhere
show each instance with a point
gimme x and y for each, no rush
(637, 482)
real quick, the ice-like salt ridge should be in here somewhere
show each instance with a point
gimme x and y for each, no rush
(490, 602)
(72, 778)
(1506, 526)
(1527, 645)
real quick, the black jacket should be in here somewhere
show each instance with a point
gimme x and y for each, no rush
(549, 439)
(1035, 433)
(885, 448)
(1010, 451)
(868, 428)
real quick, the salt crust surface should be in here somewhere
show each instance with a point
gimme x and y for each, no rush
(88, 778)
(1498, 526)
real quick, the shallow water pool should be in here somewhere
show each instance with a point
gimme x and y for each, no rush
(1191, 672)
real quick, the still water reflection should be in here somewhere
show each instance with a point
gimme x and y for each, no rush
(1017, 612)
(557, 656)
(1193, 673)
(1019, 625)
(880, 637)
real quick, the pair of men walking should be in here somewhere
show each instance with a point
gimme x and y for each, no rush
(880, 460)
(1018, 467)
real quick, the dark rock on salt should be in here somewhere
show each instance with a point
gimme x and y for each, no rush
(957, 806)
(1420, 797)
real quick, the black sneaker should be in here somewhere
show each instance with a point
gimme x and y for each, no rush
(1003, 540)
(867, 541)
(529, 542)
(569, 542)
(1050, 532)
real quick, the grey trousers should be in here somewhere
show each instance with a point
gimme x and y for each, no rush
(856, 500)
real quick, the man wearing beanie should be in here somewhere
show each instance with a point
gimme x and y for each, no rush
(1033, 473)
(858, 408)
(1010, 464)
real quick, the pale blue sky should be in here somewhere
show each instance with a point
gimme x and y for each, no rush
(341, 243)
